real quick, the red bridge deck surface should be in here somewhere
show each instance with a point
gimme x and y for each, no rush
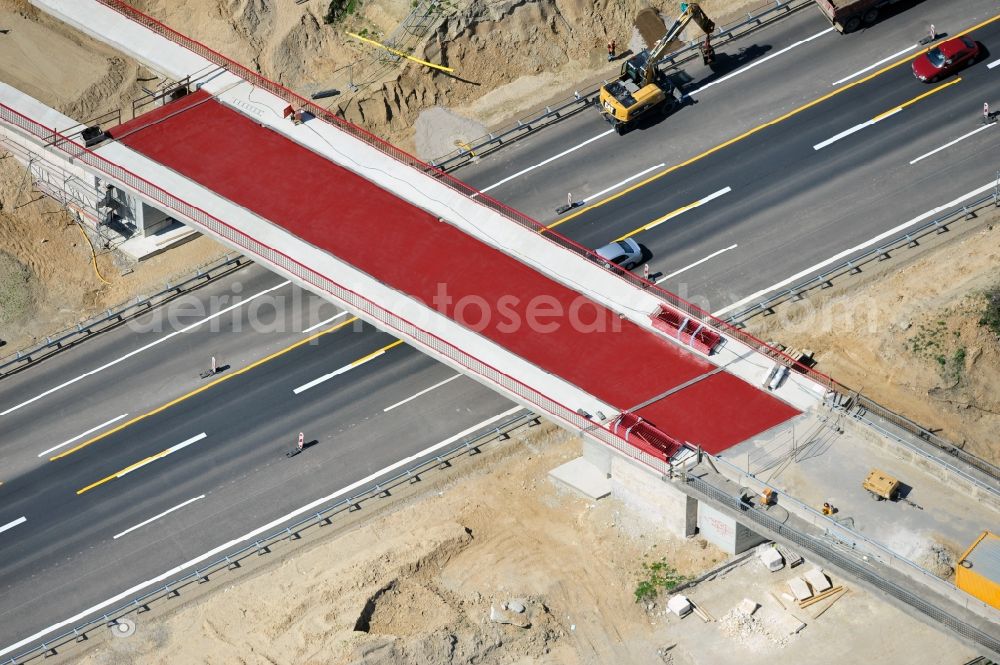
(410, 250)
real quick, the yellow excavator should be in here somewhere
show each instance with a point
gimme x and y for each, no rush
(642, 88)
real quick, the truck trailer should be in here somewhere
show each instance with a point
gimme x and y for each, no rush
(849, 15)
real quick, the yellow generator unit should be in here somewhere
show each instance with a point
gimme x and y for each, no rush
(881, 485)
(978, 570)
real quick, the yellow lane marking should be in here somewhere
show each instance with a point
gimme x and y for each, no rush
(343, 370)
(916, 99)
(769, 123)
(143, 462)
(674, 213)
(373, 354)
(203, 388)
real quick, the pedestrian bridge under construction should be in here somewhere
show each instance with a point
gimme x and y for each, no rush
(494, 294)
(426, 258)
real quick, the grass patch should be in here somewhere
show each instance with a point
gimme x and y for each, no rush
(656, 577)
(339, 9)
(990, 317)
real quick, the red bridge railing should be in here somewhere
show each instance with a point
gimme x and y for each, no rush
(397, 325)
(259, 80)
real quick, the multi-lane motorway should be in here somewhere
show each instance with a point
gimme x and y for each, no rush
(736, 192)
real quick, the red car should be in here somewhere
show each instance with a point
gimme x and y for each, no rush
(945, 59)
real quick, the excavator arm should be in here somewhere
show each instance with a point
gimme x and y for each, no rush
(689, 12)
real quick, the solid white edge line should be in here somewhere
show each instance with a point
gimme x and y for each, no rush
(323, 323)
(993, 64)
(759, 62)
(421, 393)
(951, 143)
(270, 526)
(143, 348)
(337, 372)
(873, 66)
(153, 519)
(168, 451)
(847, 252)
(80, 436)
(547, 161)
(623, 182)
(696, 263)
(11, 525)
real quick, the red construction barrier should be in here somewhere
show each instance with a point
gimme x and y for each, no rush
(644, 435)
(690, 331)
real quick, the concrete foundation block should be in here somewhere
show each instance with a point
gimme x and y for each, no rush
(725, 532)
(583, 477)
(598, 454)
(657, 501)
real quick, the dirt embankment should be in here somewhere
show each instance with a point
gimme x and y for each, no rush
(47, 280)
(911, 338)
(419, 585)
(509, 57)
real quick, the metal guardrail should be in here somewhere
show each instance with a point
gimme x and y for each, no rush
(853, 266)
(112, 317)
(563, 109)
(865, 404)
(995, 491)
(261, 546)
(851, 566)
(824, 280)
(836, 531)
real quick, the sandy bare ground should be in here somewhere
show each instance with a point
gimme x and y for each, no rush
(910, 338)
(47, 279)
(416, 585)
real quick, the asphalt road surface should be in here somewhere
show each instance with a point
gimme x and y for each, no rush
(217, 456)
(381, 401)
(749, 213)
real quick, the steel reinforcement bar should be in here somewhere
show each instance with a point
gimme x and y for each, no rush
(459, 187)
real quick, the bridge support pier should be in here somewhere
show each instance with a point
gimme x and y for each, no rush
(662, 504)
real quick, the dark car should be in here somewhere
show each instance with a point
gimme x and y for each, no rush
(945, 59)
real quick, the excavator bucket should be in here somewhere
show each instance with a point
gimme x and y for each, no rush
(706, 24)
